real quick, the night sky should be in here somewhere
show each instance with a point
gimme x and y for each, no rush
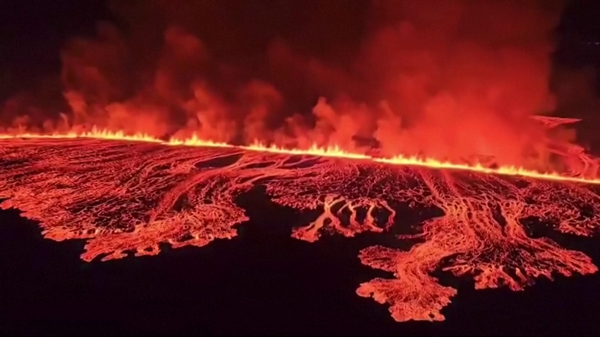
(33, 32)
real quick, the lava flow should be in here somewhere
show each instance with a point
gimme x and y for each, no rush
(124, 196)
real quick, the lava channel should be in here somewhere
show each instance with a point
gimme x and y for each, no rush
(126, 197)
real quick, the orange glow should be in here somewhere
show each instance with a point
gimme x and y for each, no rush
(314, 150)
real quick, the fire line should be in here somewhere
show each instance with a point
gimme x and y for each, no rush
(330, 151)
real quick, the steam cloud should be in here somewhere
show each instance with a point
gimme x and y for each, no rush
(448, 79)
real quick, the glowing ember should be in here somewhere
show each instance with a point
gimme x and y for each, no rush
(130, 196)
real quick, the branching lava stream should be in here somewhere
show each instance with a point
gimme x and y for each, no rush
(130, 196)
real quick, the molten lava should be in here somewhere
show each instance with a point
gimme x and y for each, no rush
(133, 193)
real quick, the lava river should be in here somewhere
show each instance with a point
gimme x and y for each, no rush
(131, 196)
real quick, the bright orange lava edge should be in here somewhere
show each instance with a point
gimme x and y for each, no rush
(331, 151)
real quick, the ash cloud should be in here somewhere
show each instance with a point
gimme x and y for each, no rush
(448, 79)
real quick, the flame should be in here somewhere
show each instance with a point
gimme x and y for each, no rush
(315, 150)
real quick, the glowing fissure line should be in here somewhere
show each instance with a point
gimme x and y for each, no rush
(332, 151)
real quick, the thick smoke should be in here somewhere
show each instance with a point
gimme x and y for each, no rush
(448, 79)
(576, 91)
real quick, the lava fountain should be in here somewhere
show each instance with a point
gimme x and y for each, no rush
(129, 194)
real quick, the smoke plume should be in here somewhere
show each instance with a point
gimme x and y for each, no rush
(447, 79)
